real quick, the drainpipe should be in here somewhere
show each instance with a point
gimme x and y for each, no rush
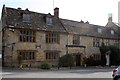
(67, 44)
(12, 54)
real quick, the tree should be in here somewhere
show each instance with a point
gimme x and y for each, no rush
(103, 50)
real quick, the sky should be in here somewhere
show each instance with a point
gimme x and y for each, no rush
(94, 11)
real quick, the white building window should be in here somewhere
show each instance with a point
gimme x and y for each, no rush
(112, 32)
(99, 30)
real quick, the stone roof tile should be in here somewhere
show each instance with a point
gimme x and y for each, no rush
(37, 21)
(87, 29)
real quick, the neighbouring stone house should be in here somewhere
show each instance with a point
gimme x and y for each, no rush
(42, 37)
(0, 37)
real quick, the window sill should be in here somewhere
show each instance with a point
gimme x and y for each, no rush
(26, 42)
(26, 21)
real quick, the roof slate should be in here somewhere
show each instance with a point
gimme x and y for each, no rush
(37, 21)
(87, 29)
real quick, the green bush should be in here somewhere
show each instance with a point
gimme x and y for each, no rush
(91, 62)
(114, 56)
(66, 61)
(103, 50)
(85, 60)
(45, 65)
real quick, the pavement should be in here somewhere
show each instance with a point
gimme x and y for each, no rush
(79, 72)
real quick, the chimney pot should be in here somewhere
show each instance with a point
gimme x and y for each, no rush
(81, 21)
(19, 8)
(56, 12)
(110, 17)
(26, 9)
(4, 5)
(87, 22)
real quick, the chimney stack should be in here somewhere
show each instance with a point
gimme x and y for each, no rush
(56, 12)
(19, 8)
(4, 6)
(110, 17)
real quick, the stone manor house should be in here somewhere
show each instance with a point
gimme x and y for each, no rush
(42, 37)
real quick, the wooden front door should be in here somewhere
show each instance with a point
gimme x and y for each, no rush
(78, 58)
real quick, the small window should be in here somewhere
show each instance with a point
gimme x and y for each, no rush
(52, 56)
(96, 57)
(76, 39)
(27, 55)
(99, 30)
(48, 20)
(116, 43)
(26, 17)
(112, 32)
(107, 43)
(52, 37)
(96, 42)
(27, 36)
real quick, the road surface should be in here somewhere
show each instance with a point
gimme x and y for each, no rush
(74, 73)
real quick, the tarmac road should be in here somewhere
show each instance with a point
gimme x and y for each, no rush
(89, 73)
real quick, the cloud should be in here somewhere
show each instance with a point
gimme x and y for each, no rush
(12, 1)
(93, 10)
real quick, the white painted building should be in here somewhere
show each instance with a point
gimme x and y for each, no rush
(119, 12)
(0, 38)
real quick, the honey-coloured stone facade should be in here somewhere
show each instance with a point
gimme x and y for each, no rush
(12, 23)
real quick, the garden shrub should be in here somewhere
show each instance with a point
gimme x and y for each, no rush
(91, 62)
(114, 56)
(103, 50)
(66, 61)
(85, 60)
(45, 65)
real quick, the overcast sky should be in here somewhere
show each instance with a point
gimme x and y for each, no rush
(94, 11)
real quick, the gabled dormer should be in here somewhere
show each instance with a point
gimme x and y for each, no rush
(49, 19)
(26, 16)
(99, 30)
(112, 32)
